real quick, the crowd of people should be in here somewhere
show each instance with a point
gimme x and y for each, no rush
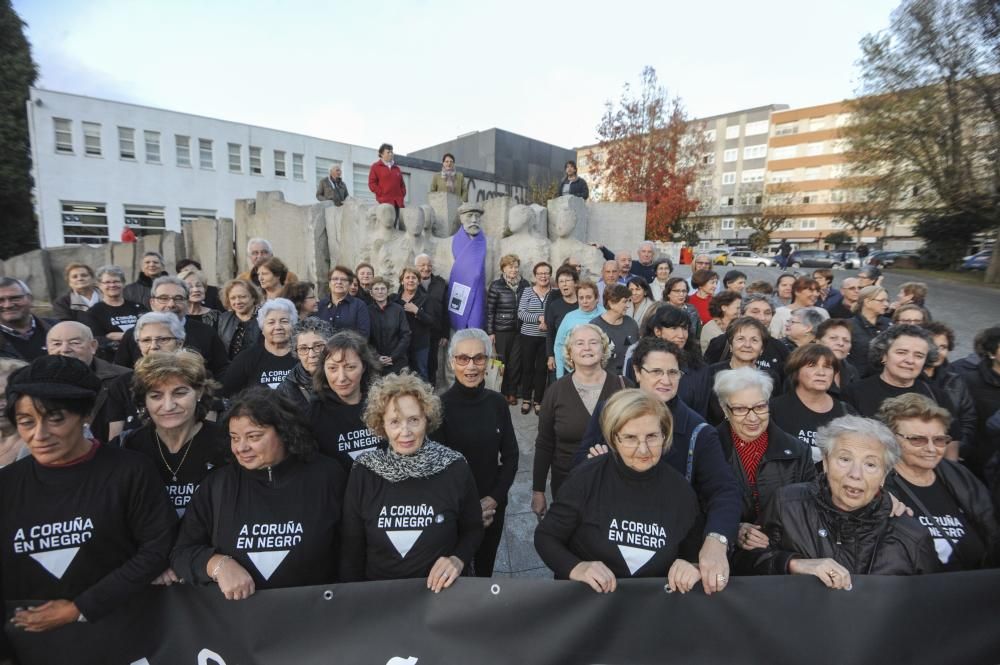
(687, 429)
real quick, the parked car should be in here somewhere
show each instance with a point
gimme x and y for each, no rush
(744, 257)
(814, 258)
(978, 261)
(718, 255)
(851, 260)
(886, 258)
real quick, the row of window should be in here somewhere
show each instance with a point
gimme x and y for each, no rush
(729, 224)
(87, 223)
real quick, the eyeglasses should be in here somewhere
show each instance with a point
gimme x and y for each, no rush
(111, 282)
(306, 350)
(743, 411)
(164, 300)
(919, 441)
(158, 341)
(479, 360)
(631, 441)
(657, 373)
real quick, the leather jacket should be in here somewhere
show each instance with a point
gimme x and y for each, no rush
(225, 324)
(501, 306)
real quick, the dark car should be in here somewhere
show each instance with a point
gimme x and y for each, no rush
(978, 261)
(886, 258)
(814, 258)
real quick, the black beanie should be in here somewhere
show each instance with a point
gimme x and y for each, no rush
(55, 377)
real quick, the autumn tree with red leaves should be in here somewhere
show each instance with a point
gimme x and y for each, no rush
(649, 151)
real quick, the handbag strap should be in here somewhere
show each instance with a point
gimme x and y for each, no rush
(691, 444)
(923, 509)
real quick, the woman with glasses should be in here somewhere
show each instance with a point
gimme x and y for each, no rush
(953, 505)
(237, 327)
(476, 422)
(268, 362)
(805, 294)
(624, 514)
(868, 322)
(309, 338)
(531, 310)
(113, 315)
(675, 293)
(390, 330)
(763, 457)
(801, 327)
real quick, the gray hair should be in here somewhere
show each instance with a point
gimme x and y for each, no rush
(759, 297)
(423, 256)
(169, 279)
(260, 241)
(282, 304)
(311, 324)
(827, 435)
(477, 334)
(7, 282)
(880, 345)
(114, 271)
(647, 243)
(730, 381)
(168, 319)
(810, 316)
(152, 253)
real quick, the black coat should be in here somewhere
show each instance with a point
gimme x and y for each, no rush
(501, 306)
(420, 323)
(577, 188)
(141, 290)
(225, 324)
(437, 305)
(984, 387)
(862, 334)
(802, 522)
(949, 384)
(390, 334)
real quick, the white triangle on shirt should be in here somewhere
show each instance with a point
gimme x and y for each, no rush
(635, 557)
(403, 540)
(180, 512)
(944, 549)
(274, 386)
(355, 454)
(56, 561)
(267, 562)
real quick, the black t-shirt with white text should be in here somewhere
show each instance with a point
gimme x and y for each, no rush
(340, 431)
(103, 318)
(256, 366)
(795, 418)
(958, 545)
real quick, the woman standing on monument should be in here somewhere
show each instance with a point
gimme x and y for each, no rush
(449, 180)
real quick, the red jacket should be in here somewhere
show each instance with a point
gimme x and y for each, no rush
(387, 183)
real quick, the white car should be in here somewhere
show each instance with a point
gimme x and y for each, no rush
(744, 257)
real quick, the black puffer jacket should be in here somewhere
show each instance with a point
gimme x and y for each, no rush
(862, 334)
(802, 522)
(972, 497)
(501, 306)
(951, 385)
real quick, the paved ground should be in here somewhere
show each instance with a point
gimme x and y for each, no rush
(964, 307)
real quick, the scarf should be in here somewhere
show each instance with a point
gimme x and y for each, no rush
(514, 283)
(449, 179)
(81, 303)
(467, 282)
(431, 459)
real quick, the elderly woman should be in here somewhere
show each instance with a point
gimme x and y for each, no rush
(840, 524)
(757, 306)
(661, 273)
(82, 295)
(734, 280)
(724, 308)
(449, 180)
(154, 331)
(944, 379)
(267, 363)
(347, 368)
(641, 300)
(624, 514)
(762, 456)
(272, 275)
(675, 294)
(809, 404)
(270, 520)
(113, 315)
(420, 317)
(12, 448)
(620, 328)
(309, 338)
(365, 274)
(911, 315)
(411, 509)
(910, 293)
(783, 288)
(237, 327)
(567, 407)
(502, 324)
(588, 308)
(390, 330)
(801, 326)
(805, 294)
(747, 337)
(174, 392)
(704, 283)
(303, 296)
(476, 422)
(197, 290)
(534, 331)
(868, 322)
(105, 502)
(950, 502)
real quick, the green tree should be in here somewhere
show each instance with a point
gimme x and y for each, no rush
(838, 238)
(17, 73)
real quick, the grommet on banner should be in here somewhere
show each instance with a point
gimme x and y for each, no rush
(667, 589)
(495, 589)
(327, 595)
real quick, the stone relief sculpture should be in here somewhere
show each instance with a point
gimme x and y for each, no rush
(379, 243)
(564, 217)
(403, 249)
(524, 240)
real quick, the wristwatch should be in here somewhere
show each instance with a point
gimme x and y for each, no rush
(719, 537)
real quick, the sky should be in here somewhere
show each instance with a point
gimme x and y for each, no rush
(422, 72)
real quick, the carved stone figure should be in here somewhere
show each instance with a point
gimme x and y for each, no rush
(564, 217)
(524, 239)
(378, 244)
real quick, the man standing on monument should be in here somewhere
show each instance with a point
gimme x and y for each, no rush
(467, 282)
(332, 187)
(573, 184)
(385, 179)
(437, 298)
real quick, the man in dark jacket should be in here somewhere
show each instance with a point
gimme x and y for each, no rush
(22, 334)
(140, 290)
(332, 188)
(573, 184)
(436, 289)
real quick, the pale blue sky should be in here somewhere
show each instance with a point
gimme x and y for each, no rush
(421, 72)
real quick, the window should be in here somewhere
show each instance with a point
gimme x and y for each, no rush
(255, 166)
(64, 135)
(190, 214)
(279, 164)
(126, 143)
(755, 151)
(751, 198)
(323, 165)
(752, 175)
(145, 219)
(205, 158)
(809, 197)
(839, 146)
(728, 225)
(92, 139)
(780, 176)
(838, 196)
(710, 135)
(183, 144)
(787, 224)
(235, 158)
(807, 224)
(755, 128)
(786, 152)
(726, 202)
(708, 158)
(843, 119)
(813, 149)
(729, 178)
(838, 170)
(812, 173)
(733, 132)
(152, 140)
(84, 223)
(730, 155)
(361, 191)
(297, 170)
(816, 124)
(786, 129)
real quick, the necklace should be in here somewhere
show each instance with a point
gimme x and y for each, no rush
(160, 446)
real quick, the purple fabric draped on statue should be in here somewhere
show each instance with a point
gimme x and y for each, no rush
(467, 283)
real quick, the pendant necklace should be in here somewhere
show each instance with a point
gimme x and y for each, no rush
(160, 446)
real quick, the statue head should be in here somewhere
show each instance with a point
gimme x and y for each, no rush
(385, 215)
(471, 215)
(413, 219)
(520, 219)
(564, 218)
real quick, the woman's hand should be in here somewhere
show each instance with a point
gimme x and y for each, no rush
(411, 308)
(752, 537)
(538, 504)
(551, 364)
(682, 576)
(489, 506)
(713, 563)
(167, 577)
(115, 336)
(597, 450)
(385, 360)
(831, 573)
(446, 570)
(46, 616)
(596, 574)
(899, 508)
(541, 324)
(233, 579)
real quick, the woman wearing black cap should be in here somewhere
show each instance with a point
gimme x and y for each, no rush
(84, 526)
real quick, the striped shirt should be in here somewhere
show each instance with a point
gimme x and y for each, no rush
(530, 310)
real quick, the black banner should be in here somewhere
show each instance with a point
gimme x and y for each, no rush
(949, 618)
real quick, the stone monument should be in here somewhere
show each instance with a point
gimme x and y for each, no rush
(524, 240)
(567, 222)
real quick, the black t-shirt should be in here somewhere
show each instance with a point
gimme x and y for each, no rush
(121, 405)
(795, 418)
(256, 366)
(957, 543)
(103, 318)
(622, 336)
(279, 523)
(867, 395)
(635, 523)
(206, 451)
(340, 431)
(399, 530)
